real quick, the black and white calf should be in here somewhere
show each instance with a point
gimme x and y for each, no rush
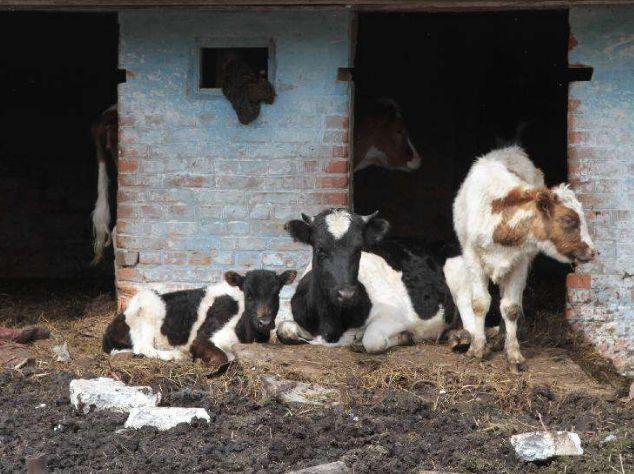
(204, 323)
(358, 290)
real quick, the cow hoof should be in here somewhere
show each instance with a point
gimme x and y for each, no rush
(459, 340)
(357, 346)
(478, 353)
(406, 338)
(517, 367)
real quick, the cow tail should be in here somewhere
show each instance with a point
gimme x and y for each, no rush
(101, 214)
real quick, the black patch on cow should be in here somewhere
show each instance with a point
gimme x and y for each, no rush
(221, 311)
(315, 314)
(181, 312)
(117, 335)
(423, 277)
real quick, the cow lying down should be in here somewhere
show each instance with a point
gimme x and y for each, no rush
(360, 291)
(203, 323)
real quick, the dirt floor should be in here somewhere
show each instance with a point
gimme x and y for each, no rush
(412, 409)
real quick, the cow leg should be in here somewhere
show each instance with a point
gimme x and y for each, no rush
(480, 303)
(203, 349)
(383, 333)
(289, 332)
(511, 290)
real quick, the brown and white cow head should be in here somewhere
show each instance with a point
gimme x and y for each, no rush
(381, 139)
(554, 218)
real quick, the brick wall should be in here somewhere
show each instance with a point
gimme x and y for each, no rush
(601, 169)
(198, 192)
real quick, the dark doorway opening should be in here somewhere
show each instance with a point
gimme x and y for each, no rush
(465, 83)
(58, 73)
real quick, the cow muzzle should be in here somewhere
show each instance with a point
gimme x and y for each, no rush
(585, 256)
(346, 294)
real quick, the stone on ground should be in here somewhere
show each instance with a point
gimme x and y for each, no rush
(338, 467)
(292, 392)
(61, 352)
(104, 393)
(164, 418)
(540, 445)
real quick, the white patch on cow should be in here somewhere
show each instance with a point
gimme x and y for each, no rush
(144, 315)
(226, 338)
(345, 340)
(101, 214)
(338, 222)
(416, 161)
(372, 157)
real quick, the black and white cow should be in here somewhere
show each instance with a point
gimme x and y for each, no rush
(359, 290)
(203, 323)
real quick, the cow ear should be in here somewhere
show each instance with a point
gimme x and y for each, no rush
(299, 230)
(545, 202)
(375, 230)
(287, 277)
(234, 279)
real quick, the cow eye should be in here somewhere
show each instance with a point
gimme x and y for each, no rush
(569, 222)
(321, 253)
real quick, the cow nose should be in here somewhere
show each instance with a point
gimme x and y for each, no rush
(346, 293)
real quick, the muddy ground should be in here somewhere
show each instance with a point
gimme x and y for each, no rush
(414, 408)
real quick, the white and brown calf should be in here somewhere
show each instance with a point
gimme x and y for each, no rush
(381, 138)
(202, 323)
(503, 217)
(105, 134)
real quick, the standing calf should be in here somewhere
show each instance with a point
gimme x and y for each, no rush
(204, 323)
(503, 217)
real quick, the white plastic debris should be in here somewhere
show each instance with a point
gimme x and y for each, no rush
(289, 391)
(41, 405)
(609, 438)
(540, 445)
(338, 467)
(105, 393)
(61, 352)
(164, 418)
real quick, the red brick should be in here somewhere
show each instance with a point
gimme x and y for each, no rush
(334, 199)
(310, 166)
(199, 258)
(151, 211)
(128, 274)
(340, 151)
(149, 258)
(578, 280)
(336, 167)
(189, 181)
(124, 211)
(175, 258)
(578, 137)
(573, 105)
(337, 121)
(127, 166)
(332, 182)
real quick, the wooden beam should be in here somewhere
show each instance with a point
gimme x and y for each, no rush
(358, 5)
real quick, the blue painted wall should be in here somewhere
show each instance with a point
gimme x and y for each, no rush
(198, 192)
(601, 169)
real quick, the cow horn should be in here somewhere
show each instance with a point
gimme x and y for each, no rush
(307, 218)
(369, 217)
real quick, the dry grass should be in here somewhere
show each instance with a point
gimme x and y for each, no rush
(79, 317)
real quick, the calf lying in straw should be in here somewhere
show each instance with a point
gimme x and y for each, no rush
(204, 323)
(503, 217)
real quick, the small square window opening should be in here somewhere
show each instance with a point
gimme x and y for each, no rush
(211, 60)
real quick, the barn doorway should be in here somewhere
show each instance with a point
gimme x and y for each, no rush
(464, 82)
(58, 72)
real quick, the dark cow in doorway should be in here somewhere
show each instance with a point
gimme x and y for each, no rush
(202, 323)
(361, 291)
(105, 135)
(381, 138)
